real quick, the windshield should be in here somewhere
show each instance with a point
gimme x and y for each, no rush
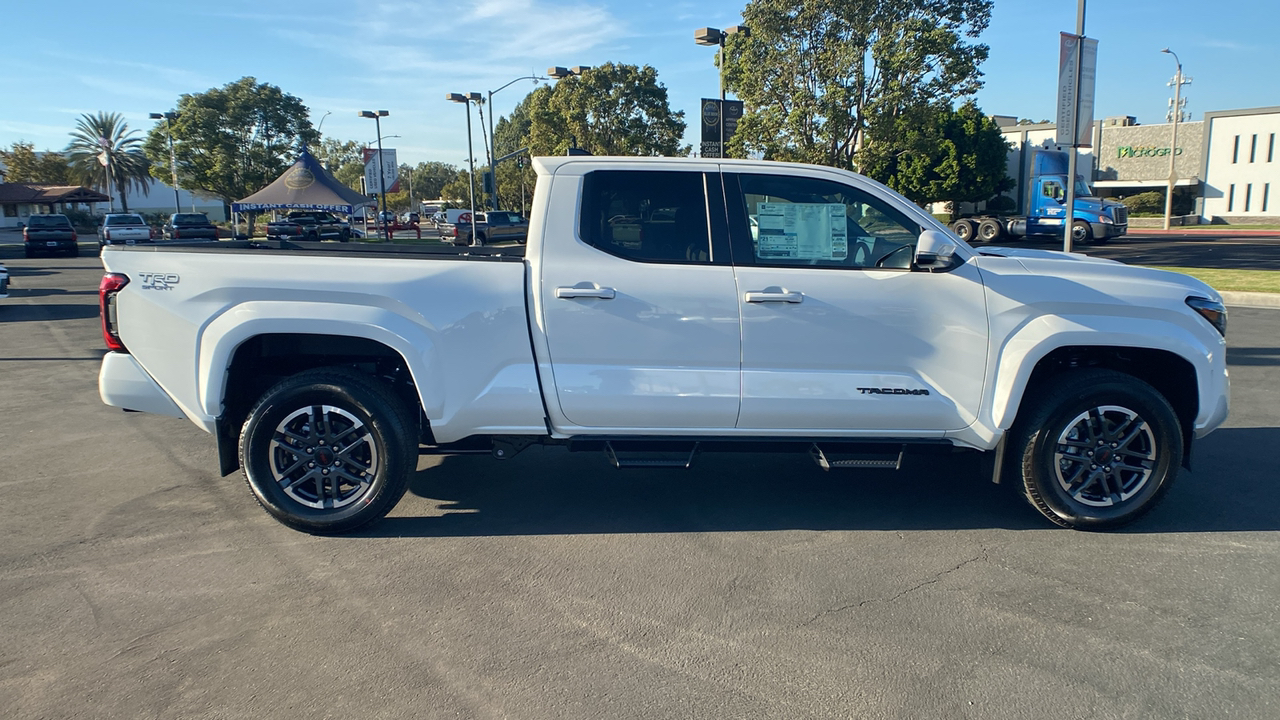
(49, 221)
(125, 220)
(190, 219)
(1082, 188)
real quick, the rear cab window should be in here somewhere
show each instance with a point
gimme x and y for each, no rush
(48, 221)
(650, 216)
(190, 219)
(124, 220)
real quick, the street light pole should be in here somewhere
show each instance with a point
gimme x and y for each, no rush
(1173, 144)
(716, 36)
(471, 163)
(173, 160)
(382, 177)
(493, 139)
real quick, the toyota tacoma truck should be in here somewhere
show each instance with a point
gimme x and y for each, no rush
(124, 229)
(189, 226)
(664, 307)
(50, 234)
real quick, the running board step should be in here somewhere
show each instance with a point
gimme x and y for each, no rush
(856, 460)
(645, 455)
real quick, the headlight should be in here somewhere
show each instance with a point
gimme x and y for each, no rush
(1214, 312)
(1106, 219)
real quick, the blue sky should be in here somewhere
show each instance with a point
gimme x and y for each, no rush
(341, 56)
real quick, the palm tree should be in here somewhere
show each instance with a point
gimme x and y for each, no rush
(108, 133)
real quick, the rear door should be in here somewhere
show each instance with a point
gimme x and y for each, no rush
(638, 306)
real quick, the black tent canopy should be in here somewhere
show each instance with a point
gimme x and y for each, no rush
(306, 185)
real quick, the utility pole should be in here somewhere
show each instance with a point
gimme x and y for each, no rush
(1173, 143)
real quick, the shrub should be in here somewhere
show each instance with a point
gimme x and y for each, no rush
(1147, 202)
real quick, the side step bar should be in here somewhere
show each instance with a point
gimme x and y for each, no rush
(883, 461)
(644, 455)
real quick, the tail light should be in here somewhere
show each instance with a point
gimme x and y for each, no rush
(111, 284)
(455, 231)
(74, 237)
(24, 234)
(177, 233)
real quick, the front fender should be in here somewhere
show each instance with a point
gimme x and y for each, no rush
(1024, 349)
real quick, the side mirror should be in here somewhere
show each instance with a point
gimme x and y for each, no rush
(935, 251)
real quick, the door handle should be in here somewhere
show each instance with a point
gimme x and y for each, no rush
(774, 294)
(586, 290)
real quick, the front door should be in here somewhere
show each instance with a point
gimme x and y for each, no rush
(639, 310)
(840, 331)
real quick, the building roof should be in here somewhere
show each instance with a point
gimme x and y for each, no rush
(35, 193)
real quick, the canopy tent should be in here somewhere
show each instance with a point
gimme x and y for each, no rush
(306, 185)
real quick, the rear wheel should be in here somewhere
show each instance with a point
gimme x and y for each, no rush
(964, 229)
(1096, 450)
(74, 251)
(329, 450)
(990, 230)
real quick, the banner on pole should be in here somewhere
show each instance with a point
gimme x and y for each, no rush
(711, 108)
(1075, 119)
(390, 170)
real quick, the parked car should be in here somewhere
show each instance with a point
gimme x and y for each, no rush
(495, 226)
(312, 225)
(189, 226)
(124, 229)
(4, 282)
(49, 234)
(642, 320)
(410, 218)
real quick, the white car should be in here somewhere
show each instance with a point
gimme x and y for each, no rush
(124, 229)
(646, 318)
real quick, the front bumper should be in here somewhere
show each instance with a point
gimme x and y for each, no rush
(1108, 230)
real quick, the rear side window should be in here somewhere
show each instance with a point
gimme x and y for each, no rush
(648, 216)
(48, 221)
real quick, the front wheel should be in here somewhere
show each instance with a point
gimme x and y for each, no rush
(1082, 232)
(329, 450)
(1097, 449)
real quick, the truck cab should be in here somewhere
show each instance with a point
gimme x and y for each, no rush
(1104, 219)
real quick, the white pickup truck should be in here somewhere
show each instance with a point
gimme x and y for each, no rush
(662, 307)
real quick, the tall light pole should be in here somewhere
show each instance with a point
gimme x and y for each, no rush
(467, 99)
(382, 178)
(717, 37)
(1173, 144)
(173, 160)
(493, 139)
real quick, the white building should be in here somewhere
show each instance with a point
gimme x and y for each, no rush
(1241, 165)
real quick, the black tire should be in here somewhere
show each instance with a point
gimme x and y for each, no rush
(964, 229)
(480, 239)
(28, 252)
(302, 417)
(74, 251)
(1091, 418)
(990, 231)
(1081, 232)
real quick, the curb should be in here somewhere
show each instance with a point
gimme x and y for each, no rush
(1251, 299)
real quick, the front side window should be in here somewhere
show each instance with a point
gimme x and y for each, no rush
(1053, 189)
(797, 221)
(648, 216)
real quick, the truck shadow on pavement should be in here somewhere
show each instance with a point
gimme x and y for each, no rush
(1253, 356)
(46, 312)
(552, 492)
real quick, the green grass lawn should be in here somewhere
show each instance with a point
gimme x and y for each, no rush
(1234, 280)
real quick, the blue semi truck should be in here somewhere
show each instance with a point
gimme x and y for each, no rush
(1041, 208)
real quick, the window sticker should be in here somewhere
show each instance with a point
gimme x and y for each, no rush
(802, 231)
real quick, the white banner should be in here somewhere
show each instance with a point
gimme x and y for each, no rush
(1075, 123)
(390, 171)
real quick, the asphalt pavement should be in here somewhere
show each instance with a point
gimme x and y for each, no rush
(135, 582)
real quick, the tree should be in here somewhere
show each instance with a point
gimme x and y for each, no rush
(935, 154)
(24, 165)
(334, 154)
(458, 191)
(108, 133)
(816, 75)
(430, 178)
(233, 140)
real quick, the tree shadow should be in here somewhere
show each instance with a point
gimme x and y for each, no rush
(1253, 356)
(549, 491)
(46, 312)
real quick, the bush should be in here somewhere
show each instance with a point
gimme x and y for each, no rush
(83, 220)
(1147, 202)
